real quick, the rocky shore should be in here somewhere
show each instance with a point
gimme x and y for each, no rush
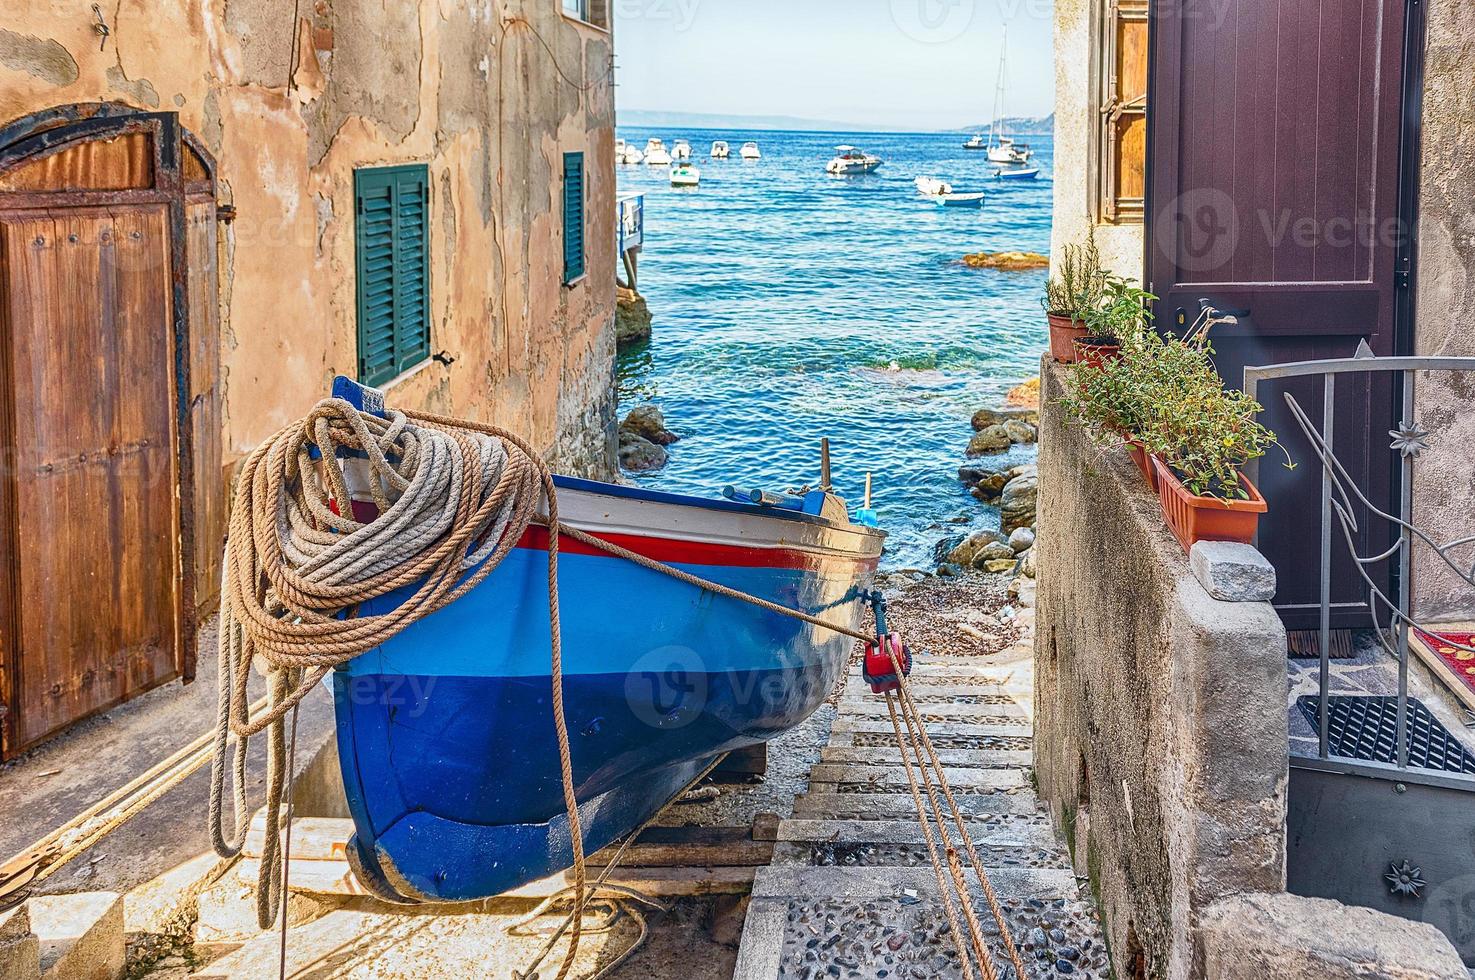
(643, 440)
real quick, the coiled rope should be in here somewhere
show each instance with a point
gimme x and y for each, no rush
(454, 498)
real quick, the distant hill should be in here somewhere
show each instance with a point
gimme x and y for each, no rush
(712, 120)
(1018, 125)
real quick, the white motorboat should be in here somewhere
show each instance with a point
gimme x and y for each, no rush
(951, 200)
(849, 160)
(749, 151)
(932, 187)
(1009, 152)
(685, 175)
(978, 142)
(720, 150)
(656, 154)
(627, 153)
(680, 150)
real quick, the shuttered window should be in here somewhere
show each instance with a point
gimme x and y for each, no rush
(573, 216)
(392, 205)
(1119, 155)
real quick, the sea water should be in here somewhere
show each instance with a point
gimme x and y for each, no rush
(790, 304)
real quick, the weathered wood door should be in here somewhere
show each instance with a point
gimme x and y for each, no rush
(108, 413)
(1274, 147)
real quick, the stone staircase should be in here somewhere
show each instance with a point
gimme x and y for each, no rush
(851, 892)
(63, 937)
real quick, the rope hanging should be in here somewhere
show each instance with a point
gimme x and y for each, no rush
(454, 497)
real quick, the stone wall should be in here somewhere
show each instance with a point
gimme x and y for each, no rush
(1160, 718)
(1075, 112)
(488, 94)
(1445, 301)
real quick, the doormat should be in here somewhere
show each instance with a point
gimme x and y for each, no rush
(1453, 666)
(1306, 644)
(1366, 727)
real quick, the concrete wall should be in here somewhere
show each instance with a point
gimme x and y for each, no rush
(465, 87)
(1075, 112)
(1160, 718)
(1445, 303)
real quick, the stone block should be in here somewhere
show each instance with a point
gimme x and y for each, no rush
(1291, 937)
(20, 958)
(81, 935)
(1233, 572)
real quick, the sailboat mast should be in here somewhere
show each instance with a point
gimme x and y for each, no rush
(999, 90)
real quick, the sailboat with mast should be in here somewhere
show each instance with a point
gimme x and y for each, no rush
(1003, 149)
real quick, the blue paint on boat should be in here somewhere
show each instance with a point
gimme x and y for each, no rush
(446, 734)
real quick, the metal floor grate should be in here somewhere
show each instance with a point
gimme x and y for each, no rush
(1365, 727)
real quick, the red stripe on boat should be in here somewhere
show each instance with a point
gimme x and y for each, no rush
(674, 552)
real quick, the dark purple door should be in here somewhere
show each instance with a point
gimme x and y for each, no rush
(1273, 193)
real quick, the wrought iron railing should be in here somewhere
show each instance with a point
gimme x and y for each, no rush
(1341, 501)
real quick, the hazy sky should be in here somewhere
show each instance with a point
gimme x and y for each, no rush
(903, 63)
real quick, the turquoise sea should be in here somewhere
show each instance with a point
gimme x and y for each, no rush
(790, 304)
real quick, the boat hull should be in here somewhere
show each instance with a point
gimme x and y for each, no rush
(446, 733)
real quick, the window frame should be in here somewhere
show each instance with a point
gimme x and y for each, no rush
(572, 276)
(1108, 206)
(590, 13)
(364, 177)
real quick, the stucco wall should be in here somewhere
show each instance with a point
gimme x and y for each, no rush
(1445, 476)
(465, 87)
(1160, 720)
(1121, 244)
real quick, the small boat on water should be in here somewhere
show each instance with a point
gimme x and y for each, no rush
(1006, 151)
(1018, 173)
(1002, 149)
(720, 150)
(627, 153)
(656, 153)
(680, 149)
(978, 142)
(749, 151)
(931, 186)
(850, 160)
(445, 731)
(969, 200)
(685, 175)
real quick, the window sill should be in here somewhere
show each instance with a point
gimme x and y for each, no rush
(576, 281)
(585, 23)
(405, 375)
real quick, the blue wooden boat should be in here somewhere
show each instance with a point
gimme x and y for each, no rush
(972, 199)
(446, 735)
(1022, 173)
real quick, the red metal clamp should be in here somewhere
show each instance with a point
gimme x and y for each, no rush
(879, 669)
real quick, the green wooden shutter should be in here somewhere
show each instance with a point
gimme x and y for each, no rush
(573, 216)
(393, 205)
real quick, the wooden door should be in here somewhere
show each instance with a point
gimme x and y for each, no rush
(1274, 139)
(109, 412)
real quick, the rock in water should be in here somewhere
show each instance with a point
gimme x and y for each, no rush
(985, 417)
(632, 318)
(1020, 431)
(961, 551)
(638, 454)
(1007, 261)
(1017, 505)
(648, 423)
(992, 439)
(1026, 395)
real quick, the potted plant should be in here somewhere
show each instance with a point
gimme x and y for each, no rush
(1200, 439)
(1075, 288)
(1120, 315)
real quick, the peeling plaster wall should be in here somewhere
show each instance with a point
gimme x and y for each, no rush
(1120, 244)
(464, 86)
(1444, 482)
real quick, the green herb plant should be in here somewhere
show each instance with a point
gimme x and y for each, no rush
(1079, 284)
(1122, 313)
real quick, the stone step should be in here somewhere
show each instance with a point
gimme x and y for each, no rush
(81, 936)
(867, 884)
(856, 688)
(888, 756)
(1015, 741)
(900, 806)
(1016, 727)
(851, 854)
(1033, 831)
(938, 712)
(20, 950)
(961, 780)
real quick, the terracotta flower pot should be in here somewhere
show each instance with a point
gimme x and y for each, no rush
(1139, 456)
(1193, 518)
(1096, 351)
(1063, 334)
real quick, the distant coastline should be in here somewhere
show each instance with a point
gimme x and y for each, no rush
(711, 120)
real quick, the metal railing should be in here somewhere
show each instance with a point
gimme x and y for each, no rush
(1341, 499)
